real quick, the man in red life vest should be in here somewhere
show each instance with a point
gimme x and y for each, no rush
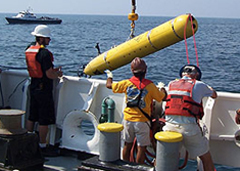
(42, 72)
(140, 94)
(183, 110)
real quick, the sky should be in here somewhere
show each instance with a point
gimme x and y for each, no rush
(199, 8)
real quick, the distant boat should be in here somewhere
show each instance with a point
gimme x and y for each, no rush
(27, 17)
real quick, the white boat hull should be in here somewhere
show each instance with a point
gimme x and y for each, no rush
(12, 20)
(78, 98)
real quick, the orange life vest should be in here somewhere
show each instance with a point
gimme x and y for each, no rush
(136, 82)
(180, 102)
(34, 67)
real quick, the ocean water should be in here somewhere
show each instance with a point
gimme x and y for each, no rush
(73, 45)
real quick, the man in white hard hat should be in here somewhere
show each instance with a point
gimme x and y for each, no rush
(42, 72)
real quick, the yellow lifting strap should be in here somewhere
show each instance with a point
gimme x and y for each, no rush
(133, 17)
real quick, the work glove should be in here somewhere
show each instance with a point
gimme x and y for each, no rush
(160, 85)
(108, 73)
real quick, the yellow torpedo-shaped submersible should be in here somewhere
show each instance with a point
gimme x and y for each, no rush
(147, 43)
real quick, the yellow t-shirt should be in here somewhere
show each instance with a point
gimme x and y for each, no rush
(133, 114)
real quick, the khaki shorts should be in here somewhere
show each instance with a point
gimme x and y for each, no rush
(140, 130)
(193, 140)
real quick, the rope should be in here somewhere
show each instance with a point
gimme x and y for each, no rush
(133, 149)
(6, 68)
(15, 89)
(151, 163)
(149, 155)
(1, 93)
(194, 40)
(185, 161)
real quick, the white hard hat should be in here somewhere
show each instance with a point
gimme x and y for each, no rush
(41, 31)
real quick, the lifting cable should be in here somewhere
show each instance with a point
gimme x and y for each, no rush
(133, 17)
(194, 40)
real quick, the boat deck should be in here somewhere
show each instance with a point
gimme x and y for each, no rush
(77, 161)
(71, 163)
(61, 163)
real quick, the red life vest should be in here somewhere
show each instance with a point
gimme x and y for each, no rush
(136, 82)
(180, 102)
(34, 67)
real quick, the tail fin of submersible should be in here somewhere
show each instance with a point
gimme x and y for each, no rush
(147, 43)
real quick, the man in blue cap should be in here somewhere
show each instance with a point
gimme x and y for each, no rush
(184, 109)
